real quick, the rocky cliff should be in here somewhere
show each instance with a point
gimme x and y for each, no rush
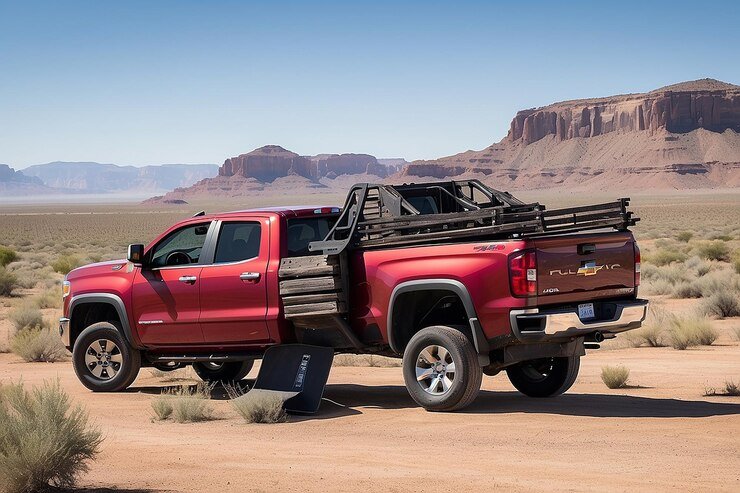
(14, 182)
(681, 136)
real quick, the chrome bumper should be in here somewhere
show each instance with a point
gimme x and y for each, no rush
(535, 324)
(64, 331)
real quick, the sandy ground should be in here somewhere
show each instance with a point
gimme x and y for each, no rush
(660, 434)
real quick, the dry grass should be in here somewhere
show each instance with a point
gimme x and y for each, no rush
(260, 408)
(44, 440)
(691, 331)
(26, 315)
(38, 344)
(50, 298)
(730, 389)
(615, 377)
(366, 360)
(186, 404)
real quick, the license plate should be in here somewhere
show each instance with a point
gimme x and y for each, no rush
(586, 310)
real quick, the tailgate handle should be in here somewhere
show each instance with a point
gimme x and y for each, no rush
(586, 248)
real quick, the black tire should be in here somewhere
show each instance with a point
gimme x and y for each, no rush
(232, 371)
(119, 357)
(546, 377)
(432, 393)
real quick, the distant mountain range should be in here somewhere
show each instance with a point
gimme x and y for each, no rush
(14, 182)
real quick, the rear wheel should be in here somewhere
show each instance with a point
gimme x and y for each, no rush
(231, 371)
(544, 377)
(103, 360)
(441, 369)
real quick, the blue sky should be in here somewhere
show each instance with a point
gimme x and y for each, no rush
(191, 82)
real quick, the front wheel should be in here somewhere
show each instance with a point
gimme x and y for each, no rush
(544, 377)
(103, 360)
(441, 369)
(232, 371)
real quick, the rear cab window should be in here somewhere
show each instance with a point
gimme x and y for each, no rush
(304, 230)
(237, 241)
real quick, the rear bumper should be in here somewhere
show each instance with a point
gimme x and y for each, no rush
(64, 331)
(535, 324)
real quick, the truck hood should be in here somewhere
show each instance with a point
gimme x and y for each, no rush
(99, 268)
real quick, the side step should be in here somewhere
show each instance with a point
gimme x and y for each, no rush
(297, 373)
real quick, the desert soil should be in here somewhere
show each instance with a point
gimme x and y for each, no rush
(661, 434)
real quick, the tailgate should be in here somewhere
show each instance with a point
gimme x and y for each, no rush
(574, 268)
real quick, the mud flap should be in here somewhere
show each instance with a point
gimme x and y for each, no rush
(297, 373)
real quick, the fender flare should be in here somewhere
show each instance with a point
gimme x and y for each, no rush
(479, 339)
(109, 299)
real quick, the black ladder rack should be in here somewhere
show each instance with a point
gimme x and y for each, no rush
(377, 215)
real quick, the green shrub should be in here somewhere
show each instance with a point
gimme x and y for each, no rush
(714, 250)
(7, 256)
(692, 331)
(26, 315)
(8, 282)
(38, 345)
(51, 298)
(665, 257)
(43, 440)
(684, 236)
(615, 377)
(260, 408)
(65, 263)
(722, 304)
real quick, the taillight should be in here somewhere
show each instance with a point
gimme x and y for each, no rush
(523, 273)
(637, 265)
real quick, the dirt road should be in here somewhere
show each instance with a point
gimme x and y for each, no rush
(659, 435)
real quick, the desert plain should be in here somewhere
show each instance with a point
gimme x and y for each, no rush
(670, 428)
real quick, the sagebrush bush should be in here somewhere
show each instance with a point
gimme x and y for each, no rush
(8, 282)
(615, 377)
(38, 344)
(162, 406)
(692, 331)
(65, 263)
(684, 236)
(650, 334)
(51, 298)
(260, 408)
(44, 440)
(722, 304)
(687, 289)
(720, 281)
(665, 257)
(730, 389)
(7, 256)
(714, 250)
(26, 315)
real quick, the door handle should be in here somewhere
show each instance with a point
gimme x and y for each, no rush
(249, 276)
(188, 279)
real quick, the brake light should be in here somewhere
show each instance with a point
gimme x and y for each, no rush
(523, 273)
(637, 265)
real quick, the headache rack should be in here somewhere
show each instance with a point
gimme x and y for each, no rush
(376, 216)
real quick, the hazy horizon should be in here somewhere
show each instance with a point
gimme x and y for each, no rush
(187, 82)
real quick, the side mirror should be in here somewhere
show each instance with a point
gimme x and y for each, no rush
(136, 254)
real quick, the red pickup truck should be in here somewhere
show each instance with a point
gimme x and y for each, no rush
(456, 278)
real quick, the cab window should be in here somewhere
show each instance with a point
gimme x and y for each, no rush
(180, 247)
(237, 241)
(302, 231)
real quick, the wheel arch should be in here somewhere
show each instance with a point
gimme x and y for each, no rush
(398, 328)
(89, 308)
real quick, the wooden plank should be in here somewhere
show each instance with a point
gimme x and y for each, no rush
(309, 265)
(310, 285)
(302, 299)
(314, 309)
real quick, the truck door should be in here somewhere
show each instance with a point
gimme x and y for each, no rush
(233, 289)
(166, 296)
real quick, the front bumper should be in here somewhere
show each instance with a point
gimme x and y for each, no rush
(64, 331)
(534, 324)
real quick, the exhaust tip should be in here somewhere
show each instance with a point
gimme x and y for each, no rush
(598, 337)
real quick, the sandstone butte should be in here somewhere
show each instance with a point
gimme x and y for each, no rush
(684, 136)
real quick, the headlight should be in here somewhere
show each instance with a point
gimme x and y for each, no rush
(65, 289)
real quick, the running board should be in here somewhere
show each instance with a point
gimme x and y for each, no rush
(202, 358)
